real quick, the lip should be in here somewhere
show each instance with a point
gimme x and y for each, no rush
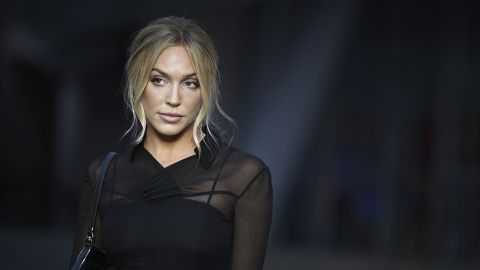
(171, 117)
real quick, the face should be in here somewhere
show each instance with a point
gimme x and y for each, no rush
(172, 97)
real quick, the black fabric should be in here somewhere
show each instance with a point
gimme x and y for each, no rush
(89, 257)
(214, 214)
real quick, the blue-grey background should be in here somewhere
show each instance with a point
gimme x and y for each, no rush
(365, 111)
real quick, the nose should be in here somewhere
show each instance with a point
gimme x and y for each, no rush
(173, 98)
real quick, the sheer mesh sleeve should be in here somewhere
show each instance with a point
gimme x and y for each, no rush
(253, 214)
(84, 208)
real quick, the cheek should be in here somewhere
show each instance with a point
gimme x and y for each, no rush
(149, 97)
(193, 104)
(197, 102)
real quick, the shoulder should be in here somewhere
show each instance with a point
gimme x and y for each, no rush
(93, 167)
(245, 159)
(95, 162)
(247, 172)
(247, 164)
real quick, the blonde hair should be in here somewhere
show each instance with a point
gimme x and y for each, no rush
(144, 50)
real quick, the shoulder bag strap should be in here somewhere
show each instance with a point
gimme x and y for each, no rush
(96, 197)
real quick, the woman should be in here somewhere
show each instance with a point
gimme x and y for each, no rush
(179, 197)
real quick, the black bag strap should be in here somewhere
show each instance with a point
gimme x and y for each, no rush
(96, 196)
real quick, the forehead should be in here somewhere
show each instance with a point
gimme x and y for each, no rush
(174, 59)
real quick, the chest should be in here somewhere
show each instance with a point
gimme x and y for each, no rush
(173, 223)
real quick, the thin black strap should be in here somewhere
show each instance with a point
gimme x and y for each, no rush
(216, 178)
(96, 196)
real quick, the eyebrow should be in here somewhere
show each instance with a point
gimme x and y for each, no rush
(168, 76)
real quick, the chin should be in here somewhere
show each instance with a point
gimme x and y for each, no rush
(170, 130)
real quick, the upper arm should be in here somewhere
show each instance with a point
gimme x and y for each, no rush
(85, 196)
(252, 220)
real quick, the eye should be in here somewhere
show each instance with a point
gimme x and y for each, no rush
(192, 84)
(158, 81)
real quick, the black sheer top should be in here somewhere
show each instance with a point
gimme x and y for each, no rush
(209, 213)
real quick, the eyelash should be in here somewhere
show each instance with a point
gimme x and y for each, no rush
(157, 81)
(195, 84)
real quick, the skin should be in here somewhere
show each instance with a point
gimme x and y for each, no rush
(172, 88)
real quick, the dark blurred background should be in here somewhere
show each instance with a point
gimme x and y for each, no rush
(365, 111)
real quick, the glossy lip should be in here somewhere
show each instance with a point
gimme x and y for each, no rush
(170, 117)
